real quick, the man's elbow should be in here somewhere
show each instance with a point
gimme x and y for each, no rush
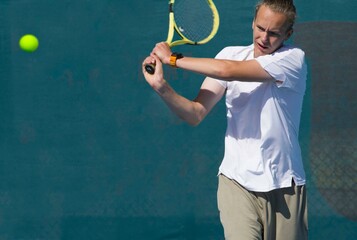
(194, 122)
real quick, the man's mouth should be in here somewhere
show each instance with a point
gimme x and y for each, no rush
(262, 46)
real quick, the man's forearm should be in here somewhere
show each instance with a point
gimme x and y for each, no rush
(182, 107)
(228, 70)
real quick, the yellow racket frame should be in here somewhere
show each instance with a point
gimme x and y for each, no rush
(173, 27)
(150, 68)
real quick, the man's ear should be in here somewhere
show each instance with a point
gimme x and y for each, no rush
(289, 33)
(253, 24)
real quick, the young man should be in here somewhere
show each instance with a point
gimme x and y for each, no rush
(261, 191)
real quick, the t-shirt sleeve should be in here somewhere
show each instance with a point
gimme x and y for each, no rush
(287, 67)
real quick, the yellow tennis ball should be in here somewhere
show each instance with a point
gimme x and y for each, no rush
(28, 43)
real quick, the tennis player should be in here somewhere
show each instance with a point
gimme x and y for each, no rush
(261, 190)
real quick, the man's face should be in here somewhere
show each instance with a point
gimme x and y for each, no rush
(270, 30)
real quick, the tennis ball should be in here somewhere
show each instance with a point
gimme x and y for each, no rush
(28, 43)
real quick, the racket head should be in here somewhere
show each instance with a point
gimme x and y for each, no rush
(195, 21)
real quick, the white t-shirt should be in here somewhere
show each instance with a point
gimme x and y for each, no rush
(262, 150)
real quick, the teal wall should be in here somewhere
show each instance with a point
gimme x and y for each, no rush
(89, 151)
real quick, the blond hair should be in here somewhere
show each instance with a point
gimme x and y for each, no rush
(285, 7)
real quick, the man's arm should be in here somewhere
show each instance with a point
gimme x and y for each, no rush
(228, 70)
(193, 112)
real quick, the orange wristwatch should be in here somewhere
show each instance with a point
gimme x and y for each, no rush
(173, 58)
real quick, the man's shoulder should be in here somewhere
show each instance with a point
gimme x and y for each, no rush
(235, 52)
(289, 49)
(238, 48)
(286, 52)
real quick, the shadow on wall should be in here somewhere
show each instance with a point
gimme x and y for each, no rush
(330, 49)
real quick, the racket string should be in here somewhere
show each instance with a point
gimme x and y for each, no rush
(194, 19)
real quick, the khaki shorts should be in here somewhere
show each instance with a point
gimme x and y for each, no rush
(276, 215)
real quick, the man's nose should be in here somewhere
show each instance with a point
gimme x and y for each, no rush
(264, 37)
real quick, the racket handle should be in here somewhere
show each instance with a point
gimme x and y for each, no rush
(150, 68)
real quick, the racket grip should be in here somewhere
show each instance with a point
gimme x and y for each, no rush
(150, 68)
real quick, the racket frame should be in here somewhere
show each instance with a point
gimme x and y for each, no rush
(184, 40)
(150, 68)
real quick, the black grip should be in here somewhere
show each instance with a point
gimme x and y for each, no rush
(150, 68)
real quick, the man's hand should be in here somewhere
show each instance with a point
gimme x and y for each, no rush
(156, 80)
(163, 51)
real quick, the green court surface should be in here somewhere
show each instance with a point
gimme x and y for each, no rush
(89, 151)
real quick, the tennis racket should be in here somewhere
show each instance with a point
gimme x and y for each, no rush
(195, 21)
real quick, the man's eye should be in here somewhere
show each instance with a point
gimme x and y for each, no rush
(275, 34)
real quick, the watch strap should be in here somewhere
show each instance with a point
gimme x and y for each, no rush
(173, 58)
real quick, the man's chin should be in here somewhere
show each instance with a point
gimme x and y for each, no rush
(259, 52)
